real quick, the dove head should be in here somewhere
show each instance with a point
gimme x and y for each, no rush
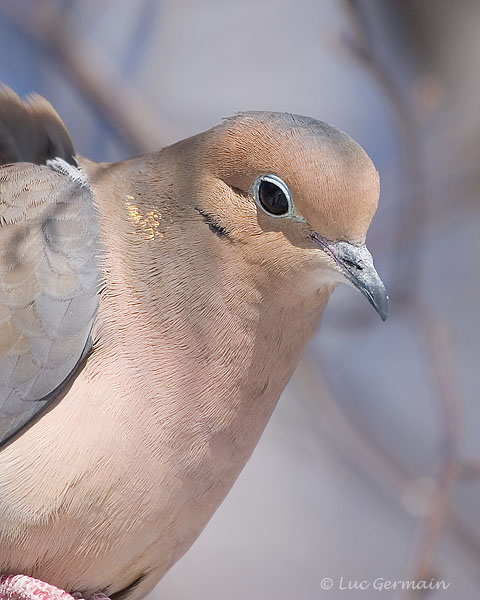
(296, 194)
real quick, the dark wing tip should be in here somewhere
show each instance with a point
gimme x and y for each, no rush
(31, 130)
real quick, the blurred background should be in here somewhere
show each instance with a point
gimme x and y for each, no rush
(370, 466)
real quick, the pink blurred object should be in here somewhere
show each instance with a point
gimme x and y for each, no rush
(23, 587)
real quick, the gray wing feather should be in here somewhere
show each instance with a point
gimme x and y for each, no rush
(49, 284)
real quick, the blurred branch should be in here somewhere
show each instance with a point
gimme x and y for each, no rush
(448, 398)
(92, 73)
(373, 460)
(469, 470)
(412, 225)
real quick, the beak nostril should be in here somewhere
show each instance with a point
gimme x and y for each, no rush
(357, 265)
(354, 265)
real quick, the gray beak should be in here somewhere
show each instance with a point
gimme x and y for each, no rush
(356, 263)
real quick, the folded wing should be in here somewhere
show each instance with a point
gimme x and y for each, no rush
(49, 273)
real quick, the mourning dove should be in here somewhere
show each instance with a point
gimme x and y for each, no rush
(151, 313)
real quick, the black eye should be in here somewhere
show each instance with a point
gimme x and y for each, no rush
(273, 196)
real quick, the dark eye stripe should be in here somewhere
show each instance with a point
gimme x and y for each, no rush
(213, 225)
